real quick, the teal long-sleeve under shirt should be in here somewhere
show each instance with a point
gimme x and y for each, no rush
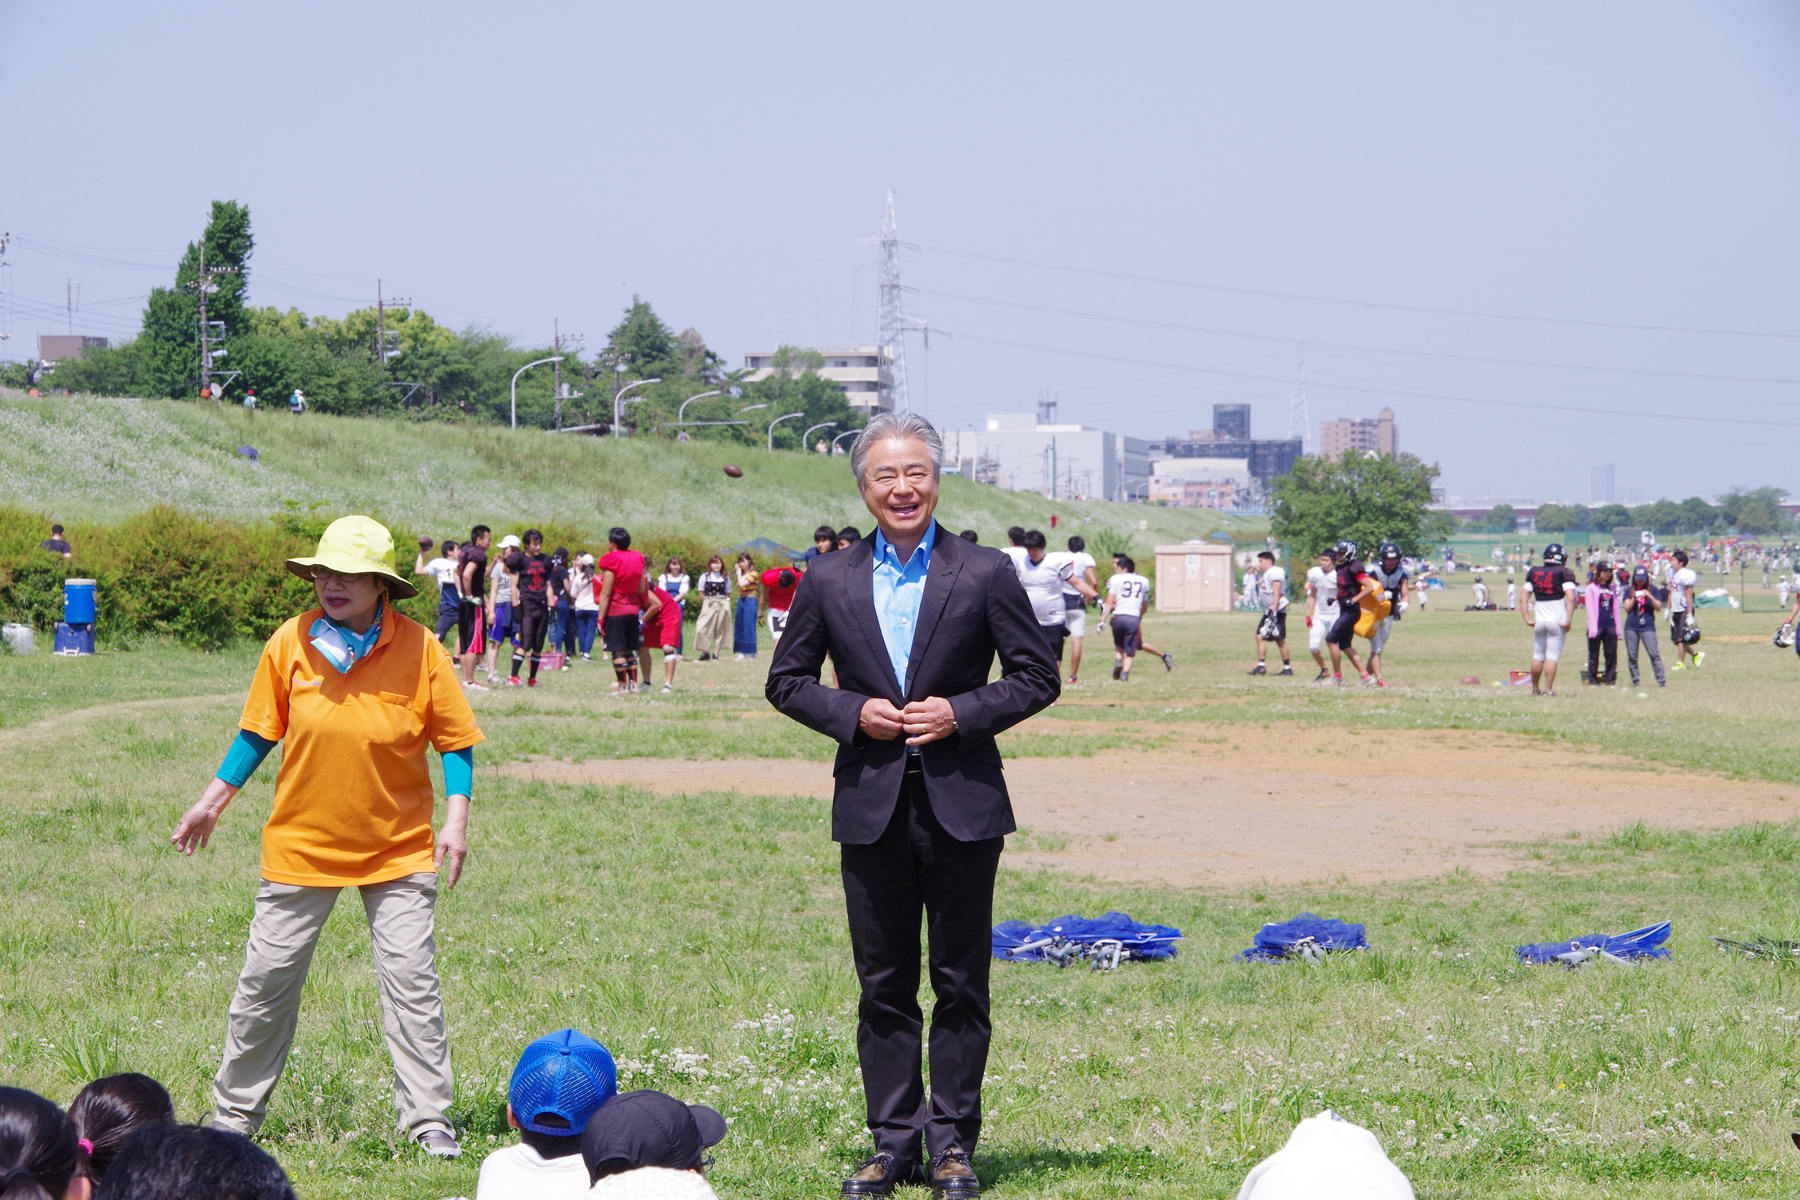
(249, 750)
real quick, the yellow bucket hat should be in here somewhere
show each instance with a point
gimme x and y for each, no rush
(356, 546)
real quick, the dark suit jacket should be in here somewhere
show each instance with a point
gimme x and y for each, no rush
(974, 608)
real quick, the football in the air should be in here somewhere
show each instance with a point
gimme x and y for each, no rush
(733, 470)
(424, 542)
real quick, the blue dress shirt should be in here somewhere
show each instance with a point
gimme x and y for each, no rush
(899, 588)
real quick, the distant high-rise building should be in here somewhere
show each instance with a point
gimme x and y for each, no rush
(1377, 436)
(1602, 490)
(1231, 422)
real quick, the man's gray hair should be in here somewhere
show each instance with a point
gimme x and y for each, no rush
(895, 425)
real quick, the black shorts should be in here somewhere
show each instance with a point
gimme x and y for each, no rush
(1055, 634)
(1345, 629)
(1678, 623)
(1272, 628)
(1126, 635)
(623, 634)
(469, 627)
(533, 622)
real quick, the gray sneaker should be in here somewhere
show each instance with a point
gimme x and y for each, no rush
(439, 1144)
(1168, 662)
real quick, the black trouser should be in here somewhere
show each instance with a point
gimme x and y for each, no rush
(915, 868)
(1608, 641)
(533, 622)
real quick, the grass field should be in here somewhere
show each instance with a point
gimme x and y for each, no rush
(702, 939)
(92, 459)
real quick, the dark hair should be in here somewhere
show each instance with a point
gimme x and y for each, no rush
(448, 545)
(534, 533)
(56, 531)
(969, 535)
(618, 537)
(174, 1162)
(824, 531)
(514, 561)
(475, 533)
(1078, 543)
(785, 578)
(1033, 539)
(1124, 560)
(38, 1154)
(1268, 554)
(1016, 535)
(1679, 556)
(110, 1110)
(850, 533)
(550, 1145)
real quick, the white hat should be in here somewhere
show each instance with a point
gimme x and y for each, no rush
(585, 559)
(509, 541)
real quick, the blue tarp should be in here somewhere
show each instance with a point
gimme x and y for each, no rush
(1295, 938)
(1639, 943)
(1140, 941)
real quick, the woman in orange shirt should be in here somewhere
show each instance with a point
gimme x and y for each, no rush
(357, 692)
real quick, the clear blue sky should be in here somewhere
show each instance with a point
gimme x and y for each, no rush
(1392, 182)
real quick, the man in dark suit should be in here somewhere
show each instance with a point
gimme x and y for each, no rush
(913, 618)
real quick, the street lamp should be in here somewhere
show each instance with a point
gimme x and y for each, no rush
(515, 383)
(681, 413)
(619, 407)
(751, 407)
(809, 433)
(777, 421)
(840, 437)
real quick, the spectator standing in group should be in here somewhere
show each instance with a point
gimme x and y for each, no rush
(560, 1082)
(562, 608)
(824, 542)
(1271, 595)
(1075, 602)
(1391, 574)
(530, 568)
(1552, 609)
(442, 571)
(848, 536)
(1605, 604)
(1643, 600)
(778, 587)
(675, 580)
(56, 543)
(1123, 609)
(472, 605)
(749, 587)
(501, 586)
(585, 601)
(624, 593)
(357, 692)
(1321, 609)
(714, 625)
(1682, 582)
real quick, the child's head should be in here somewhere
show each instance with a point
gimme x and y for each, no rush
(38, 1150)
(649, 1129)
(562, 1079)
(109, 1110)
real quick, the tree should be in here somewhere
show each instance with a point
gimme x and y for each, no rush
(1662, 517)
(170, 349)
(1757, 510)
(1554, 518)
(1366, 499)
(1696, 516)
(1612, 516)
(1758, 516)
(642, 342)
(1503, 518)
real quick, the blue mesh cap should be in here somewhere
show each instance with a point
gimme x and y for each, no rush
(565, 1075)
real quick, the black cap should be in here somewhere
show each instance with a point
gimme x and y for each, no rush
(648, 1129)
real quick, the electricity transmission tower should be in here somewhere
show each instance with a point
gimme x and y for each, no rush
(894, 324)
(1298, 422)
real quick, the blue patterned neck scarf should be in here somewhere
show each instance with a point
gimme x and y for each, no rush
(342, 647)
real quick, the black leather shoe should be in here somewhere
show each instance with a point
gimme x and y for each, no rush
(879, 1176)
(951, 1177)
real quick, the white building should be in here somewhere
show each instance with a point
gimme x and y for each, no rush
(1076, 461)
(863, 373)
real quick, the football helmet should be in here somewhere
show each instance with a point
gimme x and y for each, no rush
(1345, 550)
(1555, 555)
(1784, 634)
(1388, 550)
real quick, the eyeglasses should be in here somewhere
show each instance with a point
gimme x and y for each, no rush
(321, 574)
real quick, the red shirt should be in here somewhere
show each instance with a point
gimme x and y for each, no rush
(780, 597)
(668, 621)
(627, 567)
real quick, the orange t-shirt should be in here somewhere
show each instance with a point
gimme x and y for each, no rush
(354, 797)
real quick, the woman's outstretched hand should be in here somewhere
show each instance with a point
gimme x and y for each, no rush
(195, 828)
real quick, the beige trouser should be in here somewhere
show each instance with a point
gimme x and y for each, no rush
(266, 1008)
(714, 628)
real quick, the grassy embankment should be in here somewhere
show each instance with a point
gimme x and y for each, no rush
(701, 937)
(88, 459)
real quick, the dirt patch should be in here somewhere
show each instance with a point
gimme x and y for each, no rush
(1237, 805)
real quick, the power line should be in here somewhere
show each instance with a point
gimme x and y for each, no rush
(1338, 300)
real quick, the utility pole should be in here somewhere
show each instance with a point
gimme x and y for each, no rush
(386, 348)
(205, 354)
(562, 391)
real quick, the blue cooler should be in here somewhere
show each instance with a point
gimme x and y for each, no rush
(75, 632)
